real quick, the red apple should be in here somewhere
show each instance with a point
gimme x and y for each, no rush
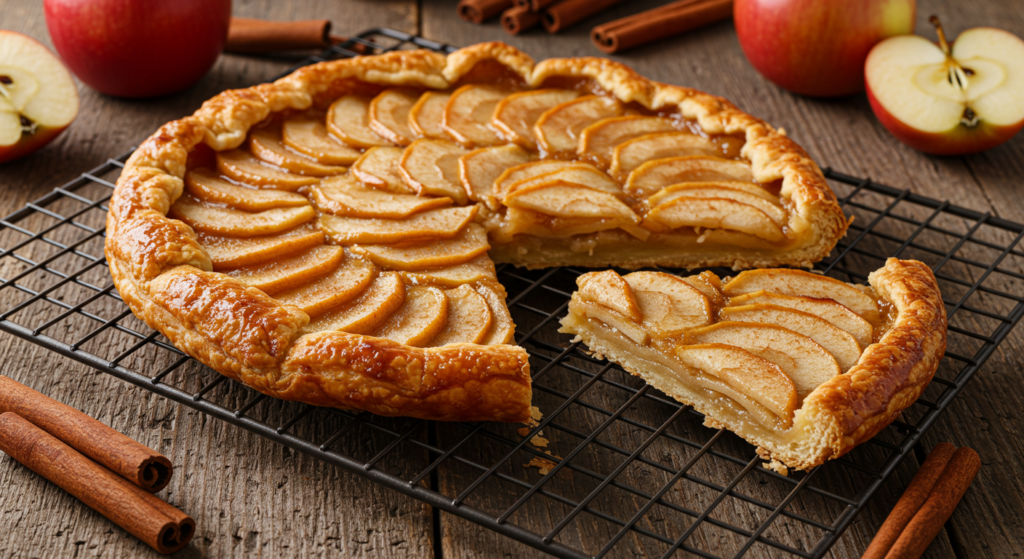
(818, 47)
(947, 101)
(138, 48)
(38, 99)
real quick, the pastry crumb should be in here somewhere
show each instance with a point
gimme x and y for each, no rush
(544, 466)
(777, 466)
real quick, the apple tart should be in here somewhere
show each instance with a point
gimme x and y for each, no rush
(331, 237)
(804, 366)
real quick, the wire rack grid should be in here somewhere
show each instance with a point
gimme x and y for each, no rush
(613, 468)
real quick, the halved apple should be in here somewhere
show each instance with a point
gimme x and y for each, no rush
(516, 114)
(291, 272)
(503, 329)
(389, 115)
(476, 270)
(747, 193)
(807, 284)
(240, 165)
(564, 199)
(432, 224)
(558, 129)
(668, 304)
(469, 244)
(648, 179)
(423, 314)
(349, 120)
(583, 174)
(837, 314)
(467, 115)
(432, 167)
(427, 115)
(236, 223)
(265, 143)
(599, 140)
(205, 185)
(337, 288)
(479, 170)
(469, 318)
(713, 213)
(635, 152)
(361, 315)
(840, 343)
(343, 196)
(378, 168)
(235, 252)
(611, 290)
(308, 135)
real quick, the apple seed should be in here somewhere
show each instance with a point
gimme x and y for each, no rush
(969, 118)
(6, 80)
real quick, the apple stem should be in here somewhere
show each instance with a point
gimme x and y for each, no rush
(956, 75)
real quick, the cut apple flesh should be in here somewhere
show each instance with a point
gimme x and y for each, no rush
(611, 290)
(628, 327)
(582, 174)
(469, 244)
(516, 114)
(806, 284)
(389, 115)
(236, 223)
(503, 329)
(361, 315)
(563, 199)
(349, 120)
(420, 318)
(230, 252)
(432, 167)
(291, 272)
(526, 171)
(648, 179)
(738, 191)
(265, 144)
(308, 136)
(342, 196)
(378, 168)
(479, 170)
(558, 129)
(427, 115)
(432, 224)
(598, 141)
(205, 185)
(37, 93)
(635, 152)
(668, 304)
(840, 343)
(344, 284)
(240, 165)
(467, 115)
(476, 270)
(714, 213)
(838, 315)
(469, 318)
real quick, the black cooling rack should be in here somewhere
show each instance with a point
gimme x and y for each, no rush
(618, 468)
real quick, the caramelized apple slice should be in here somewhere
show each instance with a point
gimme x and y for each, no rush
(308, 136)
(301, 269)
(230, 252)
(476, 270)
(265, 143)
(520, 221)
(421, 317)
(648, 179)
(236, 223)
(631, 154)
(432, 224)
(632, 329)
(343, 196)
(799, 282)
(713, 213)
(583, 174)
(378, 168)
(364, 313)
(503, 329)
(709, 285)
(840, 343)
(337, 288)
(469, 318)
(479, 170)
(469, 244)
(467, 115)
(611, 290)
(516, 114)
(599, 140)
(426, 116)
(389, 115)
(563, 199)
(738, 191)
(241, 166)
(432, 167)
(349, 120)
(837, 314)
(668, 304)
(525, 171)
(558, 129)
(748, 374)
(801, 358)
(207, 186)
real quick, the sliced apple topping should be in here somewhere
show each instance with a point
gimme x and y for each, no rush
(611, 290)
(291, 272)
(467, 115)
(469, 318)
(648, 179)
(668, 304)
(631, 154)
(526, 171)
(713, 213)
(240, 165)
(807, 284)
(265, 144)
(708, 284)
(563, 199)
(343, 196)
(476, 270)
(378, 168)
(236, 223)
(349, 120)
(364, 313)
(516, 114)
(599, 140)
(205, 185)
(235, 252)
(389, 115)
(427, 115)
(337, 288)
(421, 317)
(801, 358)
(747, 193)
(558, 129)
(308, 136)
(840, 343)
(628, 327)
(479, 170)
(444, 223)
(837, 314)
(469, 244)
(503, 329)
(583, 174)
(432, 167)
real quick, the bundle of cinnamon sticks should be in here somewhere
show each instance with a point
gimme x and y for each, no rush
(113, 474)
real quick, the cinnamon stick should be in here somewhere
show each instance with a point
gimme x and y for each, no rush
(134, 461)
(250, 36)
(163, 527)
(479, 11)
(539, 5)
(516, 20)
(659, 23)
(569, 12)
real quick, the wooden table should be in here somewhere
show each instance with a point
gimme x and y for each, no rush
(250, 496)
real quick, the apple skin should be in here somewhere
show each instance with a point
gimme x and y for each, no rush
(818, 47)
(29, 144)
(138, 48)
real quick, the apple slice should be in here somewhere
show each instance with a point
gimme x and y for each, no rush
(840, 343)
(469, 244)
(599, 140)
(308, 135)
(479, 170)
(422, 316)
(231, 252)
(503, 329)
(300, 269)
(583, 174)
(349, 120)
(343, 196)
(747, 193)
(635, 152)
(526, 171)
(516, 114)
(807, 284)
(361, 315)
(558, 129)
(335, 289)
(378, 168)
(713, 213)
(467, 115)
(709, 285)
(611, 290)
(240, 165)
(838, 315)
(476, 270)
(432, 224)
(236, 223)
(208, 186)
(632, 329)
(668, 304)
(389, 115)
(528, 222)
(648, 179)
(265, 143)
(38, 99)
(564, 199)
(432, 167)
(469, 318)
(427, 115)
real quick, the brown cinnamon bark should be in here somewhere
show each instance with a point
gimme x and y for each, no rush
(134, 461)
(479, 11)
(516, 20)
(163, 527)
(253, 36)
(659, 23)
(539, 5)
(569, 12)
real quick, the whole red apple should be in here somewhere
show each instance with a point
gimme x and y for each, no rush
(138, 48)
(818, 47)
